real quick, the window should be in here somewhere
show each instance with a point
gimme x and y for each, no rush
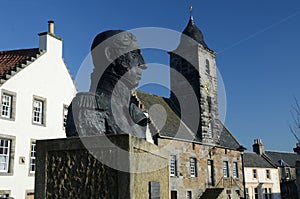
(210, 170)
(247, 193)
(38, 111)
(207, 66)
(225, 169)
(189, 195)
(32, 158)
(4, 155)
(209, 101)
(256, 193)
(6, 106)
(209, 131)
(173, 168)
(65, 114)
(254, 171)
(235, 171)
(29, 195)
(193, 167)
(287, 173)
(4, 196)
(267, 193)
(173, 194)
(268, 175)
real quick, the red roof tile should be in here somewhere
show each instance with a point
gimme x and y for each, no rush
(9, 59)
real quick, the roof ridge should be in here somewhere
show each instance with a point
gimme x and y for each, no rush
(15, 50)
(282, 152)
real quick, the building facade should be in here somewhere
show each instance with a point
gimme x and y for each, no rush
(261, 178)
(36, 89)
(285, 162)
(205, 158)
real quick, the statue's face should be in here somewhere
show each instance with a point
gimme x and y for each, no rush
(136, 64)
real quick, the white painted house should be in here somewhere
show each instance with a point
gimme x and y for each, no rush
(262, 180)
(36, 89)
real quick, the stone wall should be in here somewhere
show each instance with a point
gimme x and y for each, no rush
(93, 168)
(183, 181)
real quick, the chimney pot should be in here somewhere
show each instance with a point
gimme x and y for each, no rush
(51, 27)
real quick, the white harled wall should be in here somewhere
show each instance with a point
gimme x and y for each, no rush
(262, 182)
(48, 78)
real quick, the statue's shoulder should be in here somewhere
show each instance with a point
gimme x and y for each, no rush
(89, 100)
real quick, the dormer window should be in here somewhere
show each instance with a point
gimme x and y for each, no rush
(287, 173)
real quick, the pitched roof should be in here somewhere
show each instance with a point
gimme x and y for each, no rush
(226, 138)
(14, 60)
(280, 158)
(168, 124)
(255, 160)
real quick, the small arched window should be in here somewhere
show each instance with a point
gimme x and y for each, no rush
(207, 67)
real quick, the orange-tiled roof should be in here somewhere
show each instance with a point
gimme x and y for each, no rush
(9, 59)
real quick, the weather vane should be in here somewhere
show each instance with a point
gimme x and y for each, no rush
(191, 11)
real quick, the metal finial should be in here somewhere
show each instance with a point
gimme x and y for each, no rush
(191, 12)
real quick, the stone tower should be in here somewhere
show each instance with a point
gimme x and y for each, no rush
(196, 63)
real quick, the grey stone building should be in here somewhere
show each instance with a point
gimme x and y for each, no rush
(205, 158)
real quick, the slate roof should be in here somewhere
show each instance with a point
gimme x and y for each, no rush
(14, 60)
(192, 31)
(168, 124)
(288, 158)
(226, 138)
(255, 160)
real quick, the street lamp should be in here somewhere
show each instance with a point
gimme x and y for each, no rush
(242, 149)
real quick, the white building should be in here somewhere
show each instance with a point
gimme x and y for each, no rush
(262, 179)
(36, 89)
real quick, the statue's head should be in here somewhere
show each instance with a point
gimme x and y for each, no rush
(116, 52)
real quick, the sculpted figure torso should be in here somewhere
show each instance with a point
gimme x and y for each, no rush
(108, 107)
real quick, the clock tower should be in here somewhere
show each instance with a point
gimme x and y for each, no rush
(196, 64)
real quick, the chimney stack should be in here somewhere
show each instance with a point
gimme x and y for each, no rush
(297, 149)
(258, 147)
(51, 27)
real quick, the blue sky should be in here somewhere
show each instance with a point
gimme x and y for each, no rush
(257, 44)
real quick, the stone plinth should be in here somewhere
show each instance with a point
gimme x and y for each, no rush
(117, 166)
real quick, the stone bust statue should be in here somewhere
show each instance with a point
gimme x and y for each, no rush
(108, 108)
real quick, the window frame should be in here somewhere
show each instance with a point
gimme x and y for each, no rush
(207, 66)
(5, 192)
(254, 173)
(12, 107)
(256, 193)
(211, 172)
(225, 169)
(173, 165)
(5, 145)
(247, 193)
(287, 173)
(32, 143)
(11, 158)
(193, 167)
(267, 193)
(65, 108)
(235, 170)
(189, 194)
(42, 112)
(268, 174)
